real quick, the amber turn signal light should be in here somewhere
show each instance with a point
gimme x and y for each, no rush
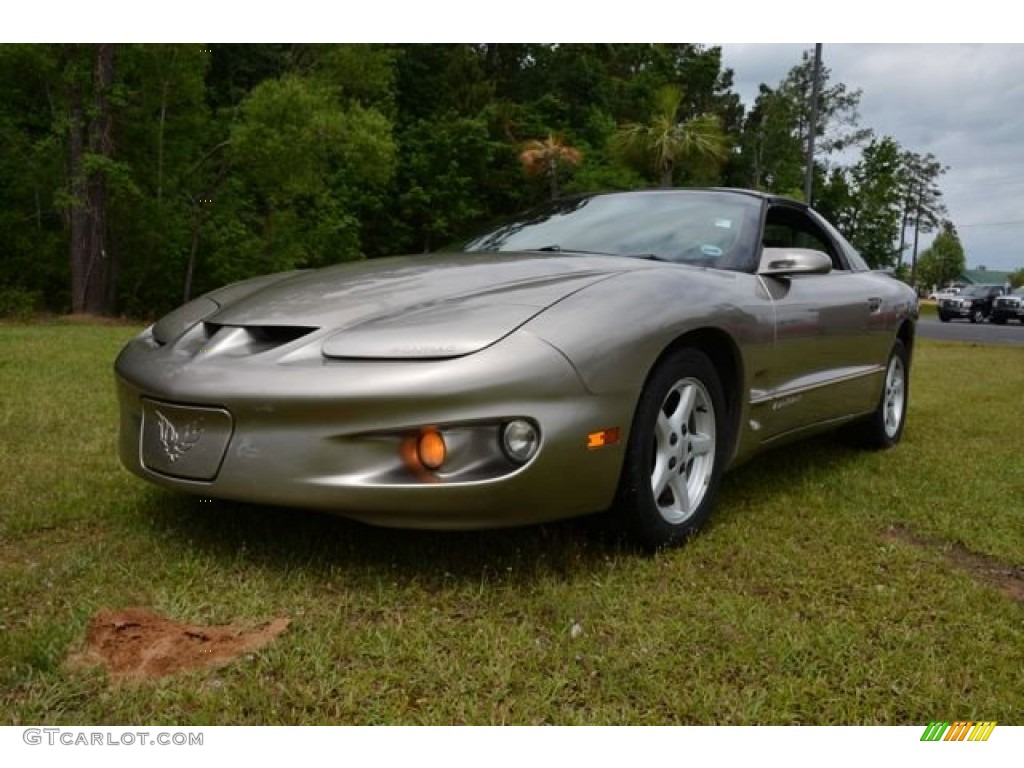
(431, 449)
(604, 437)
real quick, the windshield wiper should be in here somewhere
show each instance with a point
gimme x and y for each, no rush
(555, 248)
(648, 257)
(560, 249)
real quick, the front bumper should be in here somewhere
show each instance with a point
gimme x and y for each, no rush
(298, 430)
(956, 310)
(1007, 313)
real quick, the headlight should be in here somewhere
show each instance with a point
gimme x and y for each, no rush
(520, 440)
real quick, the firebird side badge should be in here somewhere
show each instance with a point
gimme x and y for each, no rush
(175, 444)
(785, 402)
(184, 441)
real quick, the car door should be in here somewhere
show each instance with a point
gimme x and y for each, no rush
(829, 333)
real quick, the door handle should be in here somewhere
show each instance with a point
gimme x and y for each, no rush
(874, 304)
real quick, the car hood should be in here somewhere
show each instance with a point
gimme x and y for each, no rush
(419, 306)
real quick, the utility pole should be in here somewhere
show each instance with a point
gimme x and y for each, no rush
(917, 229)
(813, 129)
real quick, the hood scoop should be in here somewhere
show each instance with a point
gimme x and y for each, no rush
(244, 341)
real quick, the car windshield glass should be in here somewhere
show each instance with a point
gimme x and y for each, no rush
(1019, 291)
(706, 228)
(975, 290)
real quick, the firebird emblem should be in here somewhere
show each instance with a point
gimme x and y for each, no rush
(177, 444)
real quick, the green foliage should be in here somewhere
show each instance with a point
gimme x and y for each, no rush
(771, 156)
(311, 166)
(669, 142)
(776, 131)
(230, 160)
(438, 183)
(17, 302)
(871, 219)
(364, 74)
(441, 81)
(836, 126)
(944, 261)
(235, 69)
(599, 171)
(33, 248)
(1017, 278)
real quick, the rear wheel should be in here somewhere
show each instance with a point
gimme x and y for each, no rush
(999, 320)
(943, 318)
(675, 453)
(977, 316)
(884, 428)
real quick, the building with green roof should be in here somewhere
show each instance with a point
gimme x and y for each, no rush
(983, 277)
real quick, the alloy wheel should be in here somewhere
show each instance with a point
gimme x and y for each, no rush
(684, 450)
(895, 395)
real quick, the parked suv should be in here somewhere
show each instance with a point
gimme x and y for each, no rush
(973, 303)
(1009, 307)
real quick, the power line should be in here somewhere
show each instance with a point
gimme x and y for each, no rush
(991, 224)
(978, 182)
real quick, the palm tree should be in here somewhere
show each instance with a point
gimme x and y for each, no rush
(667, 142)
(541, 158)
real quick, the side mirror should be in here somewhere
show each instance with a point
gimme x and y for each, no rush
(781, 262)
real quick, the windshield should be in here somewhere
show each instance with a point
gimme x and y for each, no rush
(705, 228)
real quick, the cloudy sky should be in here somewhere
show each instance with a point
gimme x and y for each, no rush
(963, 103)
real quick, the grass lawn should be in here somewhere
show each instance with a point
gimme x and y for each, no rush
(831, 585)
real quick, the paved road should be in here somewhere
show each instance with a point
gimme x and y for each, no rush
(929, 327)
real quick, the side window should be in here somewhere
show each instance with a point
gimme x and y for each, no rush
(787, 227)
(777, 236)
(811, 240)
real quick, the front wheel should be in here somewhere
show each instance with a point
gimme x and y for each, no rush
(977, 316)
(675, 454)
(943, 318)
(999, 320)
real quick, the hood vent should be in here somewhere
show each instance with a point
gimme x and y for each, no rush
(245, 340)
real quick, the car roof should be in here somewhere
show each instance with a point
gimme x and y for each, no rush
(685, 190)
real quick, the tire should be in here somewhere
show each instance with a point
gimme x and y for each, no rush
(943, 318)
(675, 454)
(977, 316)
(999, 320)
(884, 427)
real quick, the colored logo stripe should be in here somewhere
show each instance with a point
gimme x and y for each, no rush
(961, 730)
(982, 731)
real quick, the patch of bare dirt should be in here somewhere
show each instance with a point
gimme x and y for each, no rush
(137, 644)
(1008, 579)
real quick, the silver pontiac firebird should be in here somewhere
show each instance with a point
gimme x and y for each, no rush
(608, 352)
